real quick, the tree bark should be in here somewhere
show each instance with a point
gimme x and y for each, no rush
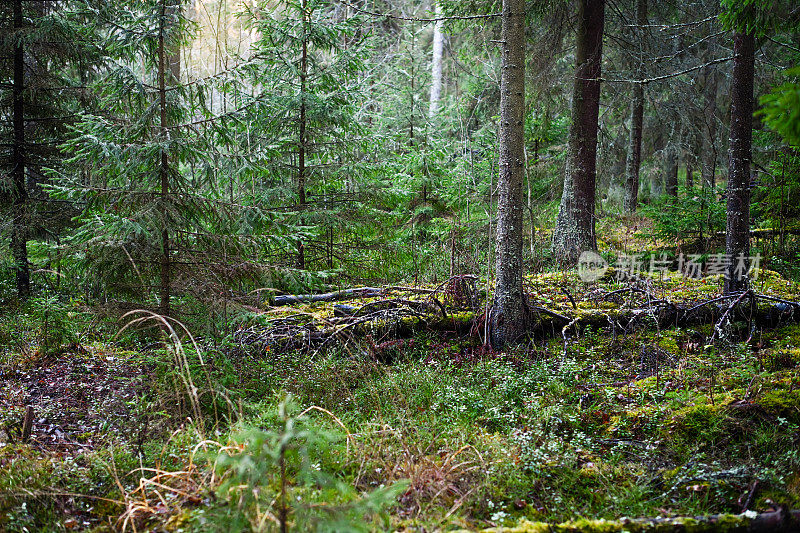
(671, 168)
(436, 62)
(168, 61)
(302, 141)
(689, 176)
(574, 231)
(19, 230)
(508, 315)
(709, 156)
(634, 158)
(737, 235)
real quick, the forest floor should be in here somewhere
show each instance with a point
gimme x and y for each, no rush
(596, 420)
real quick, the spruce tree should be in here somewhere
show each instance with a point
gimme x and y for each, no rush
(137, 198)
(310, 83)
(508, 317)
(575, 225)
(48, 52)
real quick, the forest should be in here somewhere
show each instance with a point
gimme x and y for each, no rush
(399, 265)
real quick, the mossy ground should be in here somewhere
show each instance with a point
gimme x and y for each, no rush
(595, 426)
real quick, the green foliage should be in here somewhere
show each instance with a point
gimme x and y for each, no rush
(285, 476)
(150, 186)
(780, 108)
(773, 208)
(311, 80)
(55, 326)
(760, 17)
(694, 214)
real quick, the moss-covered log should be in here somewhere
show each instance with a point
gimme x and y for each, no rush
(403, 317)
(778, 522)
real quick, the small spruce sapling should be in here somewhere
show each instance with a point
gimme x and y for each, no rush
(283, 478)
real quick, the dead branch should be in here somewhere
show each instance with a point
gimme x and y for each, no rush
(346, 294)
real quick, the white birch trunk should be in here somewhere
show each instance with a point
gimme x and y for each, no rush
(436, 63)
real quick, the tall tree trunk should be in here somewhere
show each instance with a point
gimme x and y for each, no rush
(737, 235)
(436, 62)
(168, 62)
(508, 315)
(574, 231)
(671, 170)
(19, 230)
(302, 141)
(709, 155)
(689, 175)
(531, 175)
(633, 161)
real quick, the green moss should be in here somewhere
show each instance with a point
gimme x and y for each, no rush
(787, 337)
(699, 422)
(782, 403)
(461, 316)
(669, 341)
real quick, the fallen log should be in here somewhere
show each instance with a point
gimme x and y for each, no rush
(768, 232)
(346, 294)
(361, 292)
(780, 521)
(401, 317)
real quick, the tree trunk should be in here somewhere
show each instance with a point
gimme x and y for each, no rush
(19, 230)
(436, 62)
(671, 169)
(709, 156)
(574, 231)
(689, 176)
(737, 235)
(508, 315)
(168, 61)
(302, 141)
(634, 158)
(530, 175)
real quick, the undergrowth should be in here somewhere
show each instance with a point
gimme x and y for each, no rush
(443, 434)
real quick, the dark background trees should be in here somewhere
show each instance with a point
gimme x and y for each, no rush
(48, 53)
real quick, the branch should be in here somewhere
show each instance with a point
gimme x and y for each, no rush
(416, 19)
(645, 81)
